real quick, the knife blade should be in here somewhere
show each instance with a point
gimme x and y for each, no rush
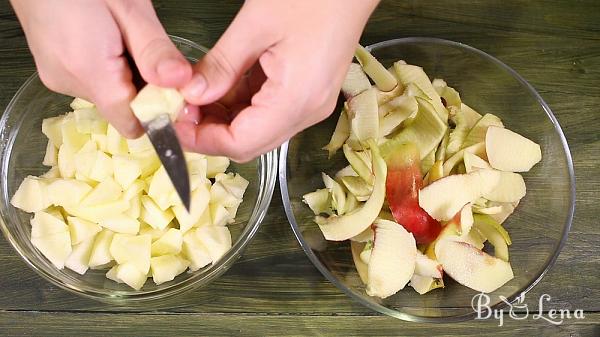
(162, 135)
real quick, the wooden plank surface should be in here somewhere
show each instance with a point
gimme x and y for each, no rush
(554, 44)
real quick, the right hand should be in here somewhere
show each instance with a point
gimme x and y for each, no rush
(78, 47)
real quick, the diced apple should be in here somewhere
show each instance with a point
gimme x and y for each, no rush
(82, 230)
(98, 212)
(85, 159)
(121, 223)
(134, 249)
(471, 267)
(153, 101)
(339, 228)
(197, 164)
(66, 161)
(153, 215)
(51, 128)
(140, 144)
(198, 204)
(195, 251)
(44, 224)
(70, 135)
(149, 162)
(129, 274)
(169, 243)
(80, 103)
(51, 156)
(392, 262)
(135, 208)
(78, 260)
(100, 140)
(161, 188)
(236, 185)
(154, 233)
(216, 239)
(220, 195)
(509, 151)
(87, 120)
(216, 165)
(101, 251)
(166, 267)
(31, 196)
(219, 215)
(205, 219)
(105, 192)
(67, 192)
(102, 168)
(52, 173)
(55, 247)
(126, 170)
(115, 143)
(111, 274)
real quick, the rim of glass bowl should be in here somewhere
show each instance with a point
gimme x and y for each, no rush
(463, 317)
(267, 171)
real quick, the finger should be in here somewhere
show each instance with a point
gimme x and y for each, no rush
(155, 55)
(112, 91)
(223, 66)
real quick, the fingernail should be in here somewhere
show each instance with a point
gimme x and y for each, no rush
(196, 87)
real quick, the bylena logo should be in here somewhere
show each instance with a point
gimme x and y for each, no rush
(518, 310)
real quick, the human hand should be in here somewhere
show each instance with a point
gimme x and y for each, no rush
(78, 47)
(303, 49)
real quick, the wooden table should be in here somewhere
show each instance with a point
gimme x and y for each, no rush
(274, 289)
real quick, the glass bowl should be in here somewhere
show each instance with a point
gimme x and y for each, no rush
(538, 228)
(22, 147)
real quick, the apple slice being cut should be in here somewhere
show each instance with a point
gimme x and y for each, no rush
(509, 151)
(339, 228)
(471, 267)
(392, 261)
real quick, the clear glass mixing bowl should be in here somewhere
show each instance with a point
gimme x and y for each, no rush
(22, 147)
(539, 226)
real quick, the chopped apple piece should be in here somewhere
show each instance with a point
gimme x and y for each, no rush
(216, 165)
(80, 103)
(100, 254)
(129, 274)
(141, 144)
(509, 151)
(51, 156)
(44, 224)
(195, 251)
(78, 260)
(105, 192)
(52, 173)
(126, 170)
(471, 267)
(153, 101)
(216, 239)
(51, 128)
(166, 267)
(87, 120)
(55, 247)
(99, 212)
(392, 262)
(149, 162)
(339, 228)
(153, 215)
(31, 196)
(219, 216)
(169, 243)
(66, 161)
(161, 188)
(115, 143)
(82, 230)
(132, 248)
(121, 223)
(199, 202)
(67, 192)
(70, 135)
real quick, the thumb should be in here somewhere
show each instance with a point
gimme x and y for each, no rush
(236, 51)
(155, 55)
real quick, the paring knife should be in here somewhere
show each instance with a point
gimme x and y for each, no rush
(162, 135)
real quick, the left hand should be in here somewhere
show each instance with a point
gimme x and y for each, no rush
(300, 50)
